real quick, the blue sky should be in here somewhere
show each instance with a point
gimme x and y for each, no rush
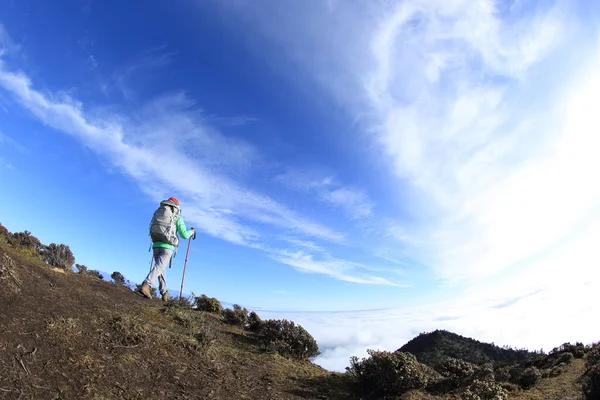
(333, 155)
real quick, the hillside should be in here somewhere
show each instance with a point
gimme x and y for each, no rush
(66, 335)
(73, 336)
(431, 348)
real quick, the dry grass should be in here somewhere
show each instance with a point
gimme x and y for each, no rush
(563, 387)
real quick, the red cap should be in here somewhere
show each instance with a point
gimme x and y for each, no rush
(173, 199)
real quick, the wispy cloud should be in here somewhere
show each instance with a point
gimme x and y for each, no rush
(325, 264)
(7, 44)
(139, 68)
(355, 203)
(9, 141)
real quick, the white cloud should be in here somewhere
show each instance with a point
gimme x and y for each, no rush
(354, 203)
(7, 44)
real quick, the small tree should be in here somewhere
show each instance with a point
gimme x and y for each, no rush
(59, 255)
(118, 278)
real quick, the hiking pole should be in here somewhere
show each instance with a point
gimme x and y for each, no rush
(185, 263)
(151, 259)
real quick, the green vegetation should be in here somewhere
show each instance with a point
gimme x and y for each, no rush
(208, 304)
(591, 377)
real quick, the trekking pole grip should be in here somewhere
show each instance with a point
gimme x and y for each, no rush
(194, 236)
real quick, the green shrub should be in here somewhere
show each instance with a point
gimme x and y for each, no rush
(118, 278)
(81, 269)
(179, 304)
(480, 390)
(238, 316)
(565, 358)
(385, 374)
(502, 373)
(254, 322)
(288, 339)
(208, 304)
(593, 357)
(591, 383)
(591, 377)
(577, 349)
(557, 370)
(529, 377)
(59, 255)
(456, 373)
(5, 234)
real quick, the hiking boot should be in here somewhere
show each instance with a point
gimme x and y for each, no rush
(145, 290)
(165, 296)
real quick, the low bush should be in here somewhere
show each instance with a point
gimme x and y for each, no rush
(385, 374)
(288, 339)
(254, 322)
(591, 377)
(178, 304)
(455, 374)
(565, 358)
(95, 274)
(480, 390)
(81, 269)
(238, 316)
(208, 304)
(529, 377)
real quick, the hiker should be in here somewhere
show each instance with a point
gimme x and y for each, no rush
(166, 223)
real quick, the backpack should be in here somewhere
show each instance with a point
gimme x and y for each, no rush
(163, 224)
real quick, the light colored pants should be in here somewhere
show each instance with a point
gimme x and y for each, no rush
(159, 270)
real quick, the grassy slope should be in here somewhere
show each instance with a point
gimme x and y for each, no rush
(71, 336)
